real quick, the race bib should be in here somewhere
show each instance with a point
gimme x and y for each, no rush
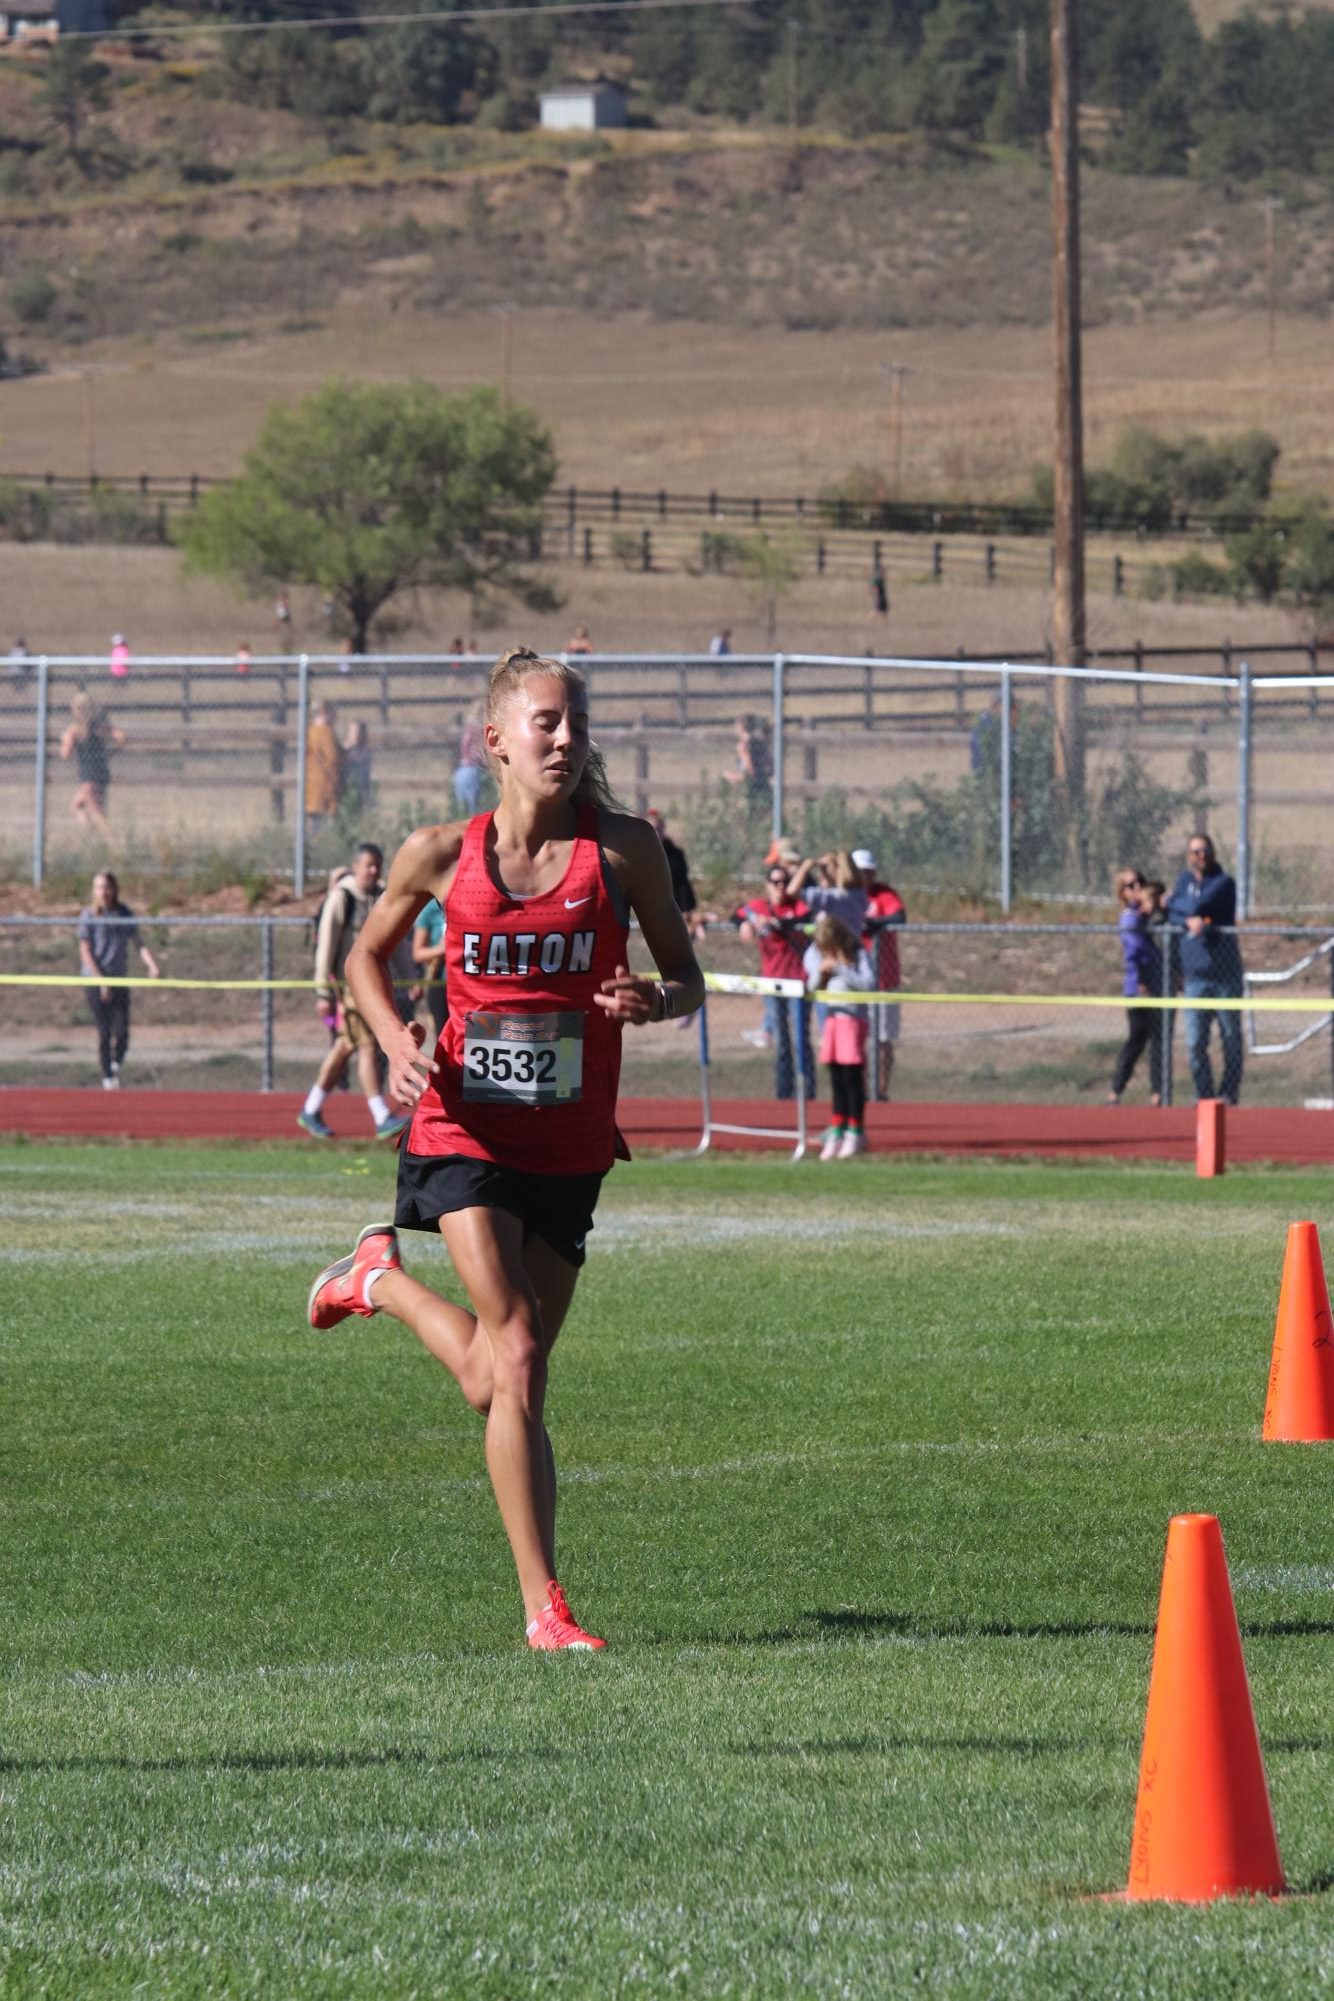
(523, 1059)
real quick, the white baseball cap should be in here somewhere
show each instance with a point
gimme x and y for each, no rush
(863, 858)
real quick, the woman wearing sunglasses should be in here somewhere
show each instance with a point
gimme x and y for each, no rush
(1143, 979)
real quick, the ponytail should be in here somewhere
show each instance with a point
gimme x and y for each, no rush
(517, 665)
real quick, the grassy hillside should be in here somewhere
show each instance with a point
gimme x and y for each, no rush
(222, 215)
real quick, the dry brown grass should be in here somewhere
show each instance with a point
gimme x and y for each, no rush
(694, 407)
(71, 600)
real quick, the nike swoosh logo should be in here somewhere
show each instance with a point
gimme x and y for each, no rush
(573, 902)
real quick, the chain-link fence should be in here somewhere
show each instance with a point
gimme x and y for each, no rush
(990, 1013)
(958, 773)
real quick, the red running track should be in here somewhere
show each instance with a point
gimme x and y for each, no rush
(1054, 1131)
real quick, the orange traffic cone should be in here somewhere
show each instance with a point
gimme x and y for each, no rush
(1203, 1826)
(1300, 1403)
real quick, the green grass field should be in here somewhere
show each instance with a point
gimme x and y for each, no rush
(867, 1473)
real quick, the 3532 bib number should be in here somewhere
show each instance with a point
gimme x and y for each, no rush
(525, 1059)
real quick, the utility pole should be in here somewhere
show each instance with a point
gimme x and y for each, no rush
(1272, 206)
(1069, 632)
(792, 81)
(89, 422)
(896, 371)
(506, 353)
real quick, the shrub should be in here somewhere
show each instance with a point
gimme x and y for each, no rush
(32, 295)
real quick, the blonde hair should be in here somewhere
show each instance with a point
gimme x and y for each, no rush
(519, 664)
(832, 935)
(847, 875)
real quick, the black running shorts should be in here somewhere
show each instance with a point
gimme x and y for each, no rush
(558, 1208)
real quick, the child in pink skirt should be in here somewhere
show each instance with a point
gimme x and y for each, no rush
(835, 963)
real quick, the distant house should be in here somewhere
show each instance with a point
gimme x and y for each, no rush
(583, 107)
(47, 20)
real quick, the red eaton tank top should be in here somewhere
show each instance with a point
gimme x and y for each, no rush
(528, 1065)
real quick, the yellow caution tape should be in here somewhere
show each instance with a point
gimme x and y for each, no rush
(740, 983)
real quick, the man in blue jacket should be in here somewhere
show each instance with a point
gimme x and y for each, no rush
(1204, 903)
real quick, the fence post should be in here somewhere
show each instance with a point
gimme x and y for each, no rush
(868, 696)
(1169, 1017)
(1244, 759)
(278, 751)
(937, 561)
(646, 550)
(39, 788)
(302, 724)
(779, 705)
(642, 766)
(187, 706)
(1006, 783)
(266, 1004)
(1139, 686)
(1312, 668)
(1118, 577)
(588, 546)
(991, 562)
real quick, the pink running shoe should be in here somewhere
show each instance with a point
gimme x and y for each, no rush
(341, 1288)
(554, 1627)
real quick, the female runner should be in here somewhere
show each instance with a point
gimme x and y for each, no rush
(513, 1124)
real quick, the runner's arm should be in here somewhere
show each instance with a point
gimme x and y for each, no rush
(415, 876)
(641, 866)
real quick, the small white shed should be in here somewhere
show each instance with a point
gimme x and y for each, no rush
(583, 107)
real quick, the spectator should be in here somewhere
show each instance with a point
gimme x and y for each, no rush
(345, 910)
(473, 767)
(580, 643)
(721, 643)
(428, 953)
(324, 766)
(106, 932)
(754, 760)
(455, 654)
(119, 662)
(885, 917)
(834, 884)
(683, 889)
(980, 736)
(1143, 978)
(355, 789)
(1204, 901)
(774, 923)
(835, 963)
(243, 658)
(282, 622)
(90, 739)
(879, 592)
(20, 663)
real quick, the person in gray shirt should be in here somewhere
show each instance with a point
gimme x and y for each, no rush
(106, 932)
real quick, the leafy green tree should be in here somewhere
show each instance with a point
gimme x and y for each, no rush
(312, 73)
(367, 491)
(958, 70)
(424, 69)
(771, 565)
(74, 85)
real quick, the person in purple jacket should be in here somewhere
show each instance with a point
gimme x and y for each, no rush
(1143, 977)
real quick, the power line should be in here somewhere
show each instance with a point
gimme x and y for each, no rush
(434, 15)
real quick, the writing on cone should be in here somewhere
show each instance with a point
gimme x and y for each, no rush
(1203, 1823)
(1300, 1403)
